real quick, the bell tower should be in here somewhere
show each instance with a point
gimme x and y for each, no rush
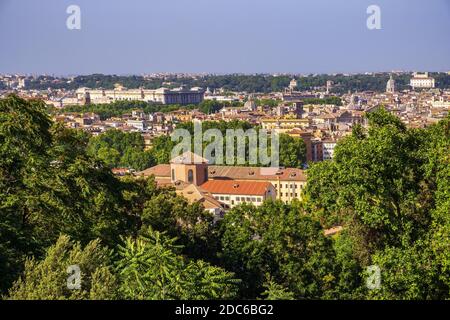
(189, 168)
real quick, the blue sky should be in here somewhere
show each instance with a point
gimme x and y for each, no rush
(223, 36)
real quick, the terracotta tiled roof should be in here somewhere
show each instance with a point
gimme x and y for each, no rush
(236, 187)
(196, 194)
(164, 183)
(161, 170)
(210, 203)
(255, 173)
(296, 131)
(235, 173)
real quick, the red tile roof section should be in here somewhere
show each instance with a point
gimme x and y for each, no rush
(161, 170)
(236, 187)
(235, 173)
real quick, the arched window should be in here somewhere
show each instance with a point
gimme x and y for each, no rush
(190, 176)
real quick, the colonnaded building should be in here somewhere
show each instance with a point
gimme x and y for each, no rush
(181, 95)
(422, 80)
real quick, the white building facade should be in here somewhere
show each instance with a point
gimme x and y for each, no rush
(180, 95)
(328, 149)
(422, 80)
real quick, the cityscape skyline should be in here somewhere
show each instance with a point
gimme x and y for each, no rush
(268, 37)
(194, 74)
(241, 152)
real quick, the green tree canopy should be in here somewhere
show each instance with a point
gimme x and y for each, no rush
(389, 188)
(121, 149)
(281, 241)
(48, 279)
(151, 268)
(49, 185)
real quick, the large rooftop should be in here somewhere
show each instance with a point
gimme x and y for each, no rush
(236, 187)
(235, 173)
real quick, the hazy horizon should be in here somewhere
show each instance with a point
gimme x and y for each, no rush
(221, 74)
(224, 37)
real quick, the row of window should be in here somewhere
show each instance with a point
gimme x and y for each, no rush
(292, 195)
(239, 199)
(290, 186)
(248, 199)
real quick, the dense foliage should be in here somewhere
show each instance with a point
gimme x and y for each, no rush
(292, 151)
(389, 188)
(277, 243)
(235, 82)
(120, 108)
(119, 149)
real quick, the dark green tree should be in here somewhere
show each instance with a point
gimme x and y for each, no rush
(151, 268)
(388, 187)
(48, 279)
(292, 151)
(281, 241)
